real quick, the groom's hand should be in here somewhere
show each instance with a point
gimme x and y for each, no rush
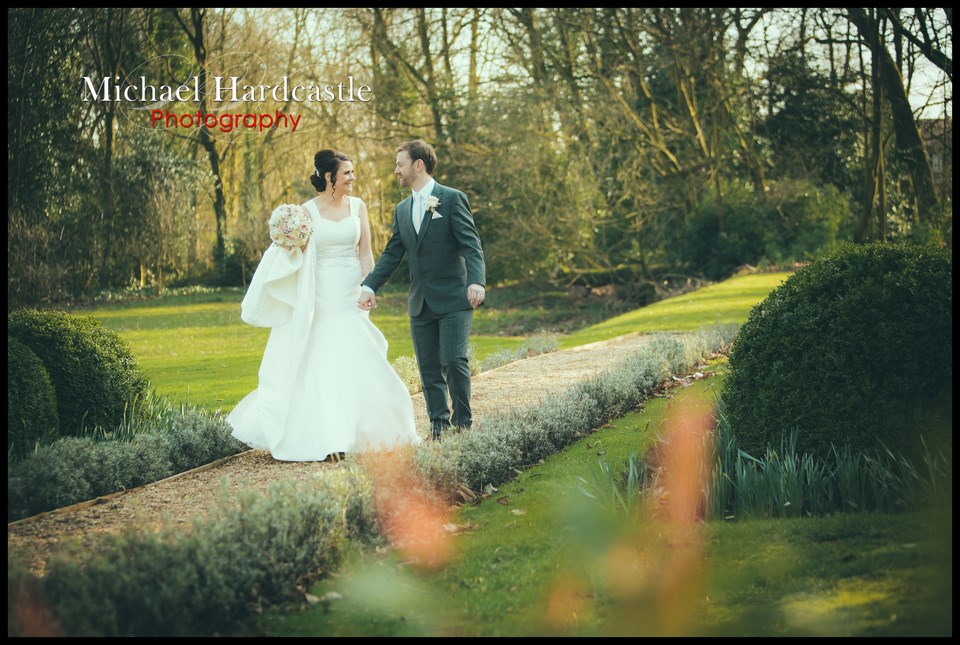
(367, 300)
(476, 294)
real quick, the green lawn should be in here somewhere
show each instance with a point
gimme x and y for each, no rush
(729, 301)
(203, 354)
(196, 350)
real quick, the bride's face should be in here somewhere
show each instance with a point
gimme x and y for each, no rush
(345, 178)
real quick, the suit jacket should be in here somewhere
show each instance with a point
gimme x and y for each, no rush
(445, 257)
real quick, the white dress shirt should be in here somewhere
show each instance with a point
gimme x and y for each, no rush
(418, 201)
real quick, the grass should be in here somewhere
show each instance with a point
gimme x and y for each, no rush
(197, 351)
(727, 301)
(845, 575)
(539, 558)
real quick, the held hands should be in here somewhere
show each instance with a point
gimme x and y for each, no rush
(476, 294)
(367, 301)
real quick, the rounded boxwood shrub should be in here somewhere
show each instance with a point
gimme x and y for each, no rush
(31, 401)
(94, 373)
(853, 349)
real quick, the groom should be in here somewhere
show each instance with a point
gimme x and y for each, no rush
(435, 228)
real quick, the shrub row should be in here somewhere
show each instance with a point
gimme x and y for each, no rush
(203, 582)
(533, 346)
(501, 443)
(74, 469)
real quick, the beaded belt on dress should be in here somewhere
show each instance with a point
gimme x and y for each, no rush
(349, 255)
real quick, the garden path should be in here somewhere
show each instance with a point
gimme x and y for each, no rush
(180, 498)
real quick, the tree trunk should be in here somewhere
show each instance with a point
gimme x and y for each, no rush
(206, 141)
(112, 67)
(429, 77)
(909, 143)
(474, 77)
(871, 137)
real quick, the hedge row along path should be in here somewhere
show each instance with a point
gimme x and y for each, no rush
(193, 493)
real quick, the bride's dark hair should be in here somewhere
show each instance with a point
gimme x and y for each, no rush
(326, 161)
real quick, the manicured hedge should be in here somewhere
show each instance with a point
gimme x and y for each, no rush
(75, 469)
(95, 375)
(201, 581)
(31, 401)
(853, 350)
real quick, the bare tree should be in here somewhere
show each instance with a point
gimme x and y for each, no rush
(195, 32)
(928, 40)
(909, 143)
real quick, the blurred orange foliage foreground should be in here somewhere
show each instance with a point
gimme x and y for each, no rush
(411, 515)
(652, 573)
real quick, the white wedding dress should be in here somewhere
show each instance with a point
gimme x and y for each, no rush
(325, 384)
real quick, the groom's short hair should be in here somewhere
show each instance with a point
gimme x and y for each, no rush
(420, 149)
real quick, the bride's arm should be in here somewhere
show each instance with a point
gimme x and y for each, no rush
(365, 250)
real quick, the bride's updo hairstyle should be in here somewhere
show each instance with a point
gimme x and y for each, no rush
(326, 161)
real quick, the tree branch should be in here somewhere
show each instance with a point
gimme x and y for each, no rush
(935, 56)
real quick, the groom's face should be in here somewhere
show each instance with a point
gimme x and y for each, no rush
(405, 170)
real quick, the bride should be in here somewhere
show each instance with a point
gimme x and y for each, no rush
(325, 385)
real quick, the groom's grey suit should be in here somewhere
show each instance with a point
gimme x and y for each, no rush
(445, 257)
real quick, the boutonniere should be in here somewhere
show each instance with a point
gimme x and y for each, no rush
(432, 202)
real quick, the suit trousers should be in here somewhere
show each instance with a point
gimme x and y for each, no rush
(440, 344)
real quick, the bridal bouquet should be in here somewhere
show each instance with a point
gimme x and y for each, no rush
(290, 226)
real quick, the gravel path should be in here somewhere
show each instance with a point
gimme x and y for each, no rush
(179, 498)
